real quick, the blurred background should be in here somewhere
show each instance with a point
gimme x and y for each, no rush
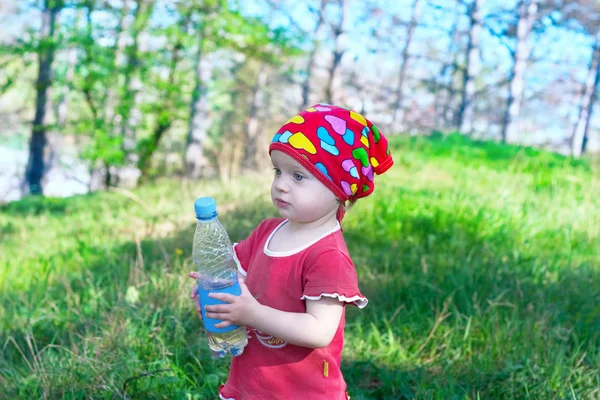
(478, 250)
(104, 93)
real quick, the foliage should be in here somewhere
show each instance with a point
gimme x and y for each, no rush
(480, 262)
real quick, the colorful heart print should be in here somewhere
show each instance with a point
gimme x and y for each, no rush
(361, 155)
(299, 141)
(376, 134)
(364, 141)
(349, 189)
(368, 172)
(349, 137)
(282, 137)
(296, 119)
(327, 142)
(323, 170)
(358, 118)
(348, 166)
(337, 123)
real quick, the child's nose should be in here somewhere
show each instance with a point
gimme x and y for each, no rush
(281, 186)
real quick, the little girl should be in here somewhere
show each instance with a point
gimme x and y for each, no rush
(296, 272)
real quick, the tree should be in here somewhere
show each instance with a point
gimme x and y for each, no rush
(527, 10)
(132, 95)
(46, 48)
(589, 95)
(471, 70)
(199, 118)
(310, 65)
(340, 37)
(398, 107)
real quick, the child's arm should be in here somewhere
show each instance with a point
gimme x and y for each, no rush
(314, 329)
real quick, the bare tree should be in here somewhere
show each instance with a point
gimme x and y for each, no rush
(46, 48)
(132, 116)
(311, 57)
(119, 56)
(527, 14)
(199, 119)
(466, 110)
(252, 125)
(62, 106)
(444, 85)
(340, 36)
(398, 118)
(586, 106)
(583, 16)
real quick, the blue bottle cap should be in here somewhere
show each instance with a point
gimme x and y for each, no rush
(205, 207)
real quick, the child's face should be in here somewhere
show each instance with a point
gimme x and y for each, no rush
(297, 194)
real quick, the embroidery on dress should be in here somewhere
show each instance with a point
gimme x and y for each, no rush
(269, 341)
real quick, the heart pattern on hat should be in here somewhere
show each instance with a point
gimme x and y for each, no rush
(361, 155)
(338, 124)
(348, 166)
(327, 142)
(296, 119)
(301, 142)
(349, 137)
(323, 170)
(339, 146)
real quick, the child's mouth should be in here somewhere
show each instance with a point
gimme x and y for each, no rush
(281, 203)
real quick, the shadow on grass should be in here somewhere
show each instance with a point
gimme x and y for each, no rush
(438, 257)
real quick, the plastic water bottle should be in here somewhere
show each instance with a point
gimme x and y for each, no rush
(213, 256)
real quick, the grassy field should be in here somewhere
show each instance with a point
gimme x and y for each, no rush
(481, 263)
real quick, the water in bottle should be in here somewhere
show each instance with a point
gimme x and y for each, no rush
(213, 256)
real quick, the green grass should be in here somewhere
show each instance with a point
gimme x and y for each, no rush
(481, 263)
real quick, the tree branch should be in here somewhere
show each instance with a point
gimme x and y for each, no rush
(501, 38)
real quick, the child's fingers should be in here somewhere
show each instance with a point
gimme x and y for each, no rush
(198, 307)
(226, 297)
(194, 292)
(218, 308)
(193, 275)
(223, 324)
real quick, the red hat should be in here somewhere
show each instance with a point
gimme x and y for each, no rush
(339, 146)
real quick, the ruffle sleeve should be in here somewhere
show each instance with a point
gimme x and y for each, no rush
(332, 274)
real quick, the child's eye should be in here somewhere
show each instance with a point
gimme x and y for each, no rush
(298, 177)
(277, 171)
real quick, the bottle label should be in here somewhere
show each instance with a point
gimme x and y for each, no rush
(209, 323)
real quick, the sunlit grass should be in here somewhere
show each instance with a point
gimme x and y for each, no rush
(481, 263)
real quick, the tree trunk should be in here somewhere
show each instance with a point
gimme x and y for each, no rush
(165, 115)
(133, 81)
(466, 110)
(62, 108)
(199, 121)
(445, 91)
(333, 82)
(119, 57)
(35, 164)
(311, 58)
(398, 118)
(527, 15)
(250, 161)
(586, 106)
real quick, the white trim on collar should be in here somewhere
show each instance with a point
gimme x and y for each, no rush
(297, 249)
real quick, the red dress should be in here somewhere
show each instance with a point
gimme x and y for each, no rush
(270, 368)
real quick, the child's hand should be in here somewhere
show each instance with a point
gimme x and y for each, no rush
(241, 309)
(194, 294)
